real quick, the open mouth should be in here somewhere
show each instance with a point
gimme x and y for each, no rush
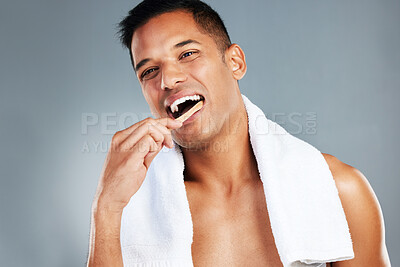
(183, 104)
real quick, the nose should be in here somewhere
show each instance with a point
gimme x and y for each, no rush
(171, 75)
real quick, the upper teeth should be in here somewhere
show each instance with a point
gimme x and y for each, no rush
(174, 106)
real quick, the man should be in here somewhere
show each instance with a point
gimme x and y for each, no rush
(182, 49)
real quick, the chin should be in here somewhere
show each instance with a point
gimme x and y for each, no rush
(200, 141)
(194, 145)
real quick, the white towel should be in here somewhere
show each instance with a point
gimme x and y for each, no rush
(306, 215)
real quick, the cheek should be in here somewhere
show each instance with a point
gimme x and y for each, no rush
(210, 73)
(197, 69)
(152, 100)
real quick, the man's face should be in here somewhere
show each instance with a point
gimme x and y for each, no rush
(173, 59)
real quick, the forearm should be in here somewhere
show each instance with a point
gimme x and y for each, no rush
(105, 246)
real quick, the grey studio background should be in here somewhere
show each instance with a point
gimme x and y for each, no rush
(328, 71)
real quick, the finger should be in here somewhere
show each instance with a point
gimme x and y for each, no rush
(145, 129)
(146, 146)
(149, 158)
(170, 123)
(154, 130)
(167, 135)
(166, 122)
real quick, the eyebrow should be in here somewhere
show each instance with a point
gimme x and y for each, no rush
(183, 43)
(141, 63)
(178, 45)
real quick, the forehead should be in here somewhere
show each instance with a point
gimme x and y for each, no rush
(164, 31)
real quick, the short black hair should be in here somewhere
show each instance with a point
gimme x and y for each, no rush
(206, 18)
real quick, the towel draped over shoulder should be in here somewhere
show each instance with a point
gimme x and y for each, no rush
(307, 219)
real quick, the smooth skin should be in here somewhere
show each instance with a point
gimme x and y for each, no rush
(363, 214)
(225, 193)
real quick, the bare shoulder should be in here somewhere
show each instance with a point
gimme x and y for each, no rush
(363, 214)
(349, 181)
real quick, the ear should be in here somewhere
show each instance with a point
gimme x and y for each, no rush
(236, 61)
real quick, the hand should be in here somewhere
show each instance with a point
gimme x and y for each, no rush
(128, 159)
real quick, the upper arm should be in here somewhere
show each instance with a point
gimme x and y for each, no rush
(363, 214)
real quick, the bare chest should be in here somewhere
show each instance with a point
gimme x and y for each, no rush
(232, 231)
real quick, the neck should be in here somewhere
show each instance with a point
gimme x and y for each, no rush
(227, 162)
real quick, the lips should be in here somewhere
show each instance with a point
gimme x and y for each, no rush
(179, 104)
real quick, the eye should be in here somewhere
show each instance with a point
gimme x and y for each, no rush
(187, 54)
(147, 72)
